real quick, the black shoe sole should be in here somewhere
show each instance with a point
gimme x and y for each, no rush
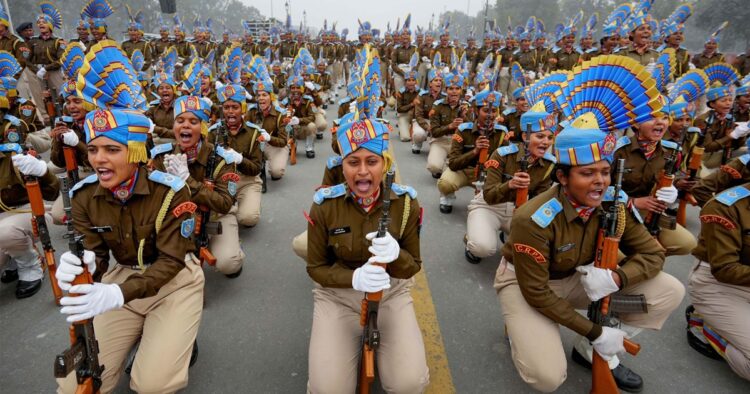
(580, 360)
(446, 209)
(437, 176)
(471, 258)
(310, 155)
(9, 276)
(704, 349)
(416, 152)
(234, 275)
(28, 292)
(194, 354)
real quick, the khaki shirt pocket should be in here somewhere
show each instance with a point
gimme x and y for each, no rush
(341, 244)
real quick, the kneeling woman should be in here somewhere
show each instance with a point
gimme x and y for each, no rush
(189, 159)
(342, 252)
(144, 220)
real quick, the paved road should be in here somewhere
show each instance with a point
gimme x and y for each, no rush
(256, 328)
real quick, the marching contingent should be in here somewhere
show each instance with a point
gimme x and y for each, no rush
(584, 146)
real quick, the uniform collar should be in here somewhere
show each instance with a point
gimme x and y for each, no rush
(569, 210)
(141, 187)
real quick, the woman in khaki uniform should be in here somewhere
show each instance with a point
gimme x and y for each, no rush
(273, 120)
(720, 283)
(145, 221)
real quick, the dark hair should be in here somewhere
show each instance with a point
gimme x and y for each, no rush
(565, 168)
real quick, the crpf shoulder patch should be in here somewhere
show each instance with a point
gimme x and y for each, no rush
(231, 179)
(334, 161)
(457, 137)
(507, 150)
(724, 222)
(731, 196)
(731, 171)
(491, 164)
(167, 179)
(404, 189)
(532, 252)
(185, 207)
(85, 181)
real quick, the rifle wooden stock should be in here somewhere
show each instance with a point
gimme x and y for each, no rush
(367, 364)
(71, 164)
(201, 231)
(696, 158)
(522, 195)
(602, 380)
(652, 218)
(292, 151)
(39, 228)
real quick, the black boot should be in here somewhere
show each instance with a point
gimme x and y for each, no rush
(698, 342)
(234, 275)
(310, 154)
(625, 378)
(444, 208)
(9, 276)
(471, 258)
(264, 187)
(437, 175)
(26, 289)
(319, 136)
(194, 354)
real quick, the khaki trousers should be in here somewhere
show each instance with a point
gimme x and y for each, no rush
(40, 140)
(58, 210)
(226, 246)
(36, 87)
(418, 135)
(321, 123)
(677, 242)
(398, 82)
(506, 85)
(451, 180)
(422, 70)
(17, 242)
(536, 348)
(404, 125)
(166, 324)
(303, 132)
(439, 148)
(277, 158)
(726, 308)
(248, 200)
(483, 223)
(299, 245)
(335, 341)
(23, 86)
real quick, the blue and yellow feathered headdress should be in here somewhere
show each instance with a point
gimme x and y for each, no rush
(720, 76)
(192, 76)
(716, 35)
(616, 19)
(602, 95)
(72, 61)
(9, 67)
(50, 15)
(545, 90)
(108, 80)
(97, 11)
(691, 86)
(4, 18)
(664, 68)
(233, 64)
(516, 72)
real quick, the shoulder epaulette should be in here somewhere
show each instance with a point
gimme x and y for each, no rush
(334, 161)
(161, 148)
(83, 182)
(423, 92)
(555, 49)
(437, 102)
(745, 158)
(252, 106)
(500, 127)
(509, 111)
(550, 157)
(400, 190)
(622, 141)
(225, 155)
(661, 47)
(22, 100)
(402, 90)
(345, 100)
(465, 126)
(252, 125)
(11, 147)
(154, 102)
(279, 109)
(507, 150)
(167, 179)
(547, 212)
(285, 102)
(328, 193)
(580, 52)
(670, 145)
(592, 50)
(516, 51)
(12, 119)
(731, 196)
(307, 97)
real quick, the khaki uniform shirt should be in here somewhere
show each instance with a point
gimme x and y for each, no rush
(109, 226)
(246, 143)
(18, 48)
(219, 199)
(272, 122)
(46, 53)
(130, 46)
(26, 111)
(337, 245)
(648, 56)
(527, 59)
(717, 142)
(401, 55)
(543, 253)
(734, 173)
(461, 155)
(159, 46)
(566, 60)
(442, 115)
(163, 119)
(724, 242)
(12, 187)
(405, 100)
(501, 167)
(642, 174)
(700, 60)
(422, 113)
(57, 154)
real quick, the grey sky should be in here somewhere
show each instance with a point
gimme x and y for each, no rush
(378, 12)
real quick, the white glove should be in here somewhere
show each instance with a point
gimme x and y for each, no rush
(370, 279)
(248, 96)
(597, 282)
(41, 73)
(667, 194)
(234, 156)
(425, 59)
(151, 126)
(609, 343)
(177, 165)
(740, 130)
(15, 121)
(531, 75)
(294, 121)
(384, 250)
(218, 85)
(309, 85)
(70, 138)
(178, 64)
(30, 165)
(264, 134)
(70, 267)
(353, 106)
(691, 66)
(94, 300)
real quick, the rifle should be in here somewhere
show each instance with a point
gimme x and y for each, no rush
(83, 353)
(203, 226)
(522, 195)
(611, 227)
(666, 177)
(40, 230)
(480, 173)
(693, 167)
(49, 102)
(292, 140)
(368, 317)
(69, 152)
